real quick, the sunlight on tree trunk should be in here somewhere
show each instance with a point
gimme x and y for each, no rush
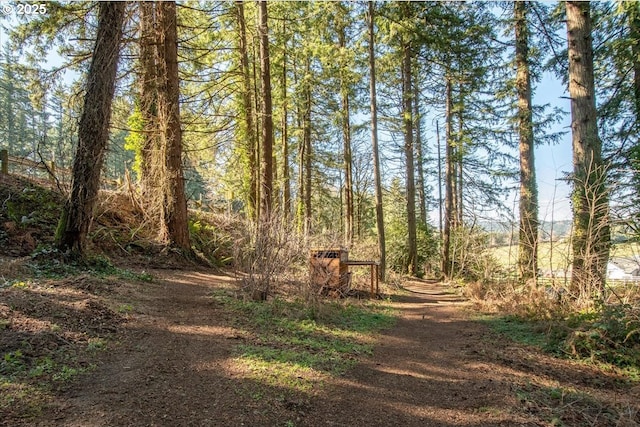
(346, 142)
(93, 130)
(420, 190)
(148, 99)
(175, 202)
(306, 142)
(528, 243)
(450, 178)
(591, 239)
(266, 152)
(407, 96)
(374, 144)
(286, 174)
(248, 143)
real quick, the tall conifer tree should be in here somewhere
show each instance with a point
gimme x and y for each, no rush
(93, 130)
(591, 238)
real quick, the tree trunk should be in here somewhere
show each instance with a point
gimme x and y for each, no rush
(528, 243)
(459, 159)
(249, 145)
(286, 175)
(306, 141)
(8, 103)
(374, 143)
(422, 202)
(257, 105)
(266, 152)
(148, 101)
(407, 97)
(591, 239)
(93, 130)
(346, 139)
(439, 179)
(175, 202)
(450, 179)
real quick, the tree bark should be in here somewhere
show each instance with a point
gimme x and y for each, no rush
(93, 130)
(591, 235)
(459, 160)
(450, 178)
(306, 141)
(374, 143)
(346, 142)
(249, 145)
(421, 193)
(266, 152)
(286, 175)
(528, 243)
(148, 99)
(175, 202)
(407, 96)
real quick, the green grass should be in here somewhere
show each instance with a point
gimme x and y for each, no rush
(48, 262)
(522, 331)
(293, 345)
(550, 255)
(606, 339)
(557, 255)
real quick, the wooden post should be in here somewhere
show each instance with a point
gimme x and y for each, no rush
(372, 281)
(52, 170)
(377, 279)
(4, 159)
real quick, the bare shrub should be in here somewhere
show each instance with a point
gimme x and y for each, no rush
(469, 255)
(511, 297)
(266, 257)
(591, 239)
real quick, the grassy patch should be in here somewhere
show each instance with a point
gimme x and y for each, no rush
(18, 400)
(607, 338)
(27, 386)
(50, 263)
(293, 345)
(525, 332)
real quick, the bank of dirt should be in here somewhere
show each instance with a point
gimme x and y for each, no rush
(169, 362)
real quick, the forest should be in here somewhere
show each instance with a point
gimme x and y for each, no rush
(139, 139)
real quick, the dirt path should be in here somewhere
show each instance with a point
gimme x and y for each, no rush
(434, 368)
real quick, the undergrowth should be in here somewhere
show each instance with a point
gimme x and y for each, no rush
(566, 406)
(606, 333)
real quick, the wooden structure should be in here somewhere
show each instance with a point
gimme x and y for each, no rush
(374, 274)
(329, 270)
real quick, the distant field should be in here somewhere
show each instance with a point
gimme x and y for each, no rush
(556, 255)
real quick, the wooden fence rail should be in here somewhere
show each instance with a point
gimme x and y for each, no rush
(52, 171)
(20, 164)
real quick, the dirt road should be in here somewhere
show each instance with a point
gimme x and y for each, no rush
(436, 367)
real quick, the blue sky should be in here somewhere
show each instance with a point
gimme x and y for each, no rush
(554, 161)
